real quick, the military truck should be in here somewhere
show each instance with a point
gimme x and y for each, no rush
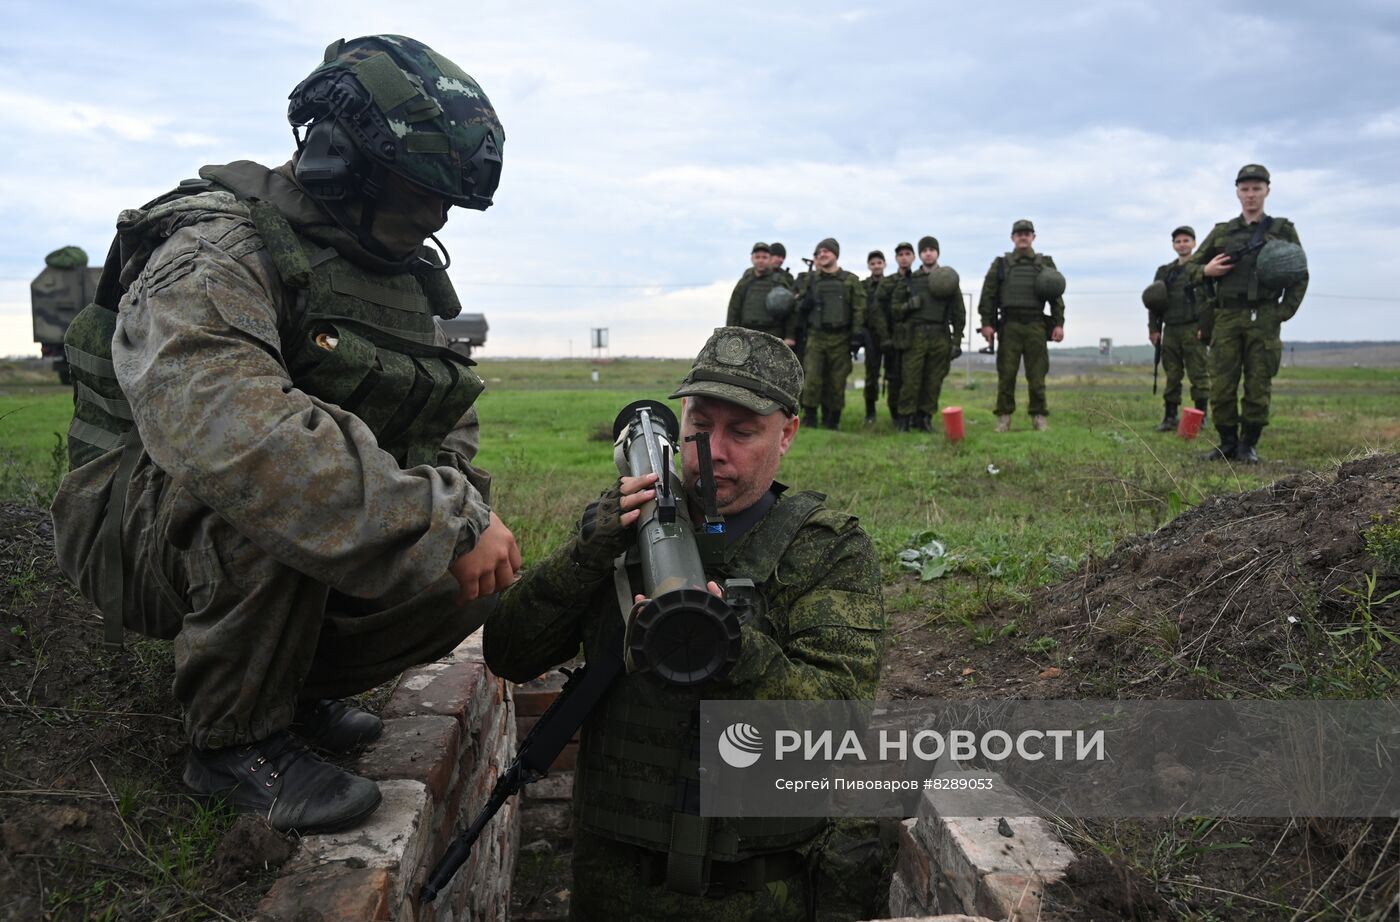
(465, 332)
(56, 295)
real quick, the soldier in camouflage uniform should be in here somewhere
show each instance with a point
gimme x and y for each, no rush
(1012, 295)
(874, 335)
(776, 254)
(749, 304)
(1174, 329)
(831, 302)
(1244, 331)
(881, 307)
(928, 329)
(821, 636)
(272, 446)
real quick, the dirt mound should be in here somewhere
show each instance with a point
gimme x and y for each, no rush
(94, 822)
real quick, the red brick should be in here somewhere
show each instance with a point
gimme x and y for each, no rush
(417, 749)
(1015, 897)
(533, 703)
(912, 866)
(444, 690)
(333, 893)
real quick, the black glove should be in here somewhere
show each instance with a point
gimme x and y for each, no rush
(957, 346)
(601, 535)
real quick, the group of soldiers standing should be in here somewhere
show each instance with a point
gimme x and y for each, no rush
(910, 322)
(1214, 313)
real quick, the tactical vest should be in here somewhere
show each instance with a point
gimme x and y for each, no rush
(1018, 283)
(833, 310)
(872, 287)
(364, 341)
(1241, 283)
(646, 730)
(753, 305)
(927, 308)
(1181, 297)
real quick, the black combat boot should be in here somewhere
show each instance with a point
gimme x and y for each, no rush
(1204, 407)
(832, 419)
(870, 400)
(1225, 451)
(809, 417)
(923, 422)
(1169, 419)
(1248, 439)
(281, 780)
(335, 726)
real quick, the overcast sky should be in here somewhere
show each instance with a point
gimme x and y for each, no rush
(649, 145)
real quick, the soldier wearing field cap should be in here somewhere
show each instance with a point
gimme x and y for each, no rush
(1017, 289)
(762, 299)
(831, 302)
(1174, 304)
(1260, 275)
(928, 314)
(641, 848)
(776, 254)
(875, 333)
(883, 306)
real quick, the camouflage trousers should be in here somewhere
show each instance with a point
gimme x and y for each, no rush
(1022, 339)
(1183, 354)
(1246, 345)
(825, 368)
(848, 880)
(254, 635)
(926, 364)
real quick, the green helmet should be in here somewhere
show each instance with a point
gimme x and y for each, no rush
(388, 103)
(779, 302)
(1049, 284)
(1281, 264)
(943, 282)
(1155, 297)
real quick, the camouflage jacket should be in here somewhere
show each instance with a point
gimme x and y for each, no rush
(852, 298)
(1235, 232)
(785, 328)
(198, 355)
(991, 288)
(1184, 294)
(822, 636)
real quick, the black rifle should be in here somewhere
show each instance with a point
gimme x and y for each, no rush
(1156, 362)
(991, 347)
(1253, 245)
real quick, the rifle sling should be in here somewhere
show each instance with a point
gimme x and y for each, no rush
(579, 698)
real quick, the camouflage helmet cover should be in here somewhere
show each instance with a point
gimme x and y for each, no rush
(1049, 284)
(411, 110)
(747, 367)
(779, 302)
(943, 282)
(1155, 296)
(1281, 264)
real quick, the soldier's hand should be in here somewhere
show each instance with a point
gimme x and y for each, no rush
(1057, 335)
(1156, 338)
(490, 566)
(1219, 265)
(988, 333)
(790, 342)
(602, 532)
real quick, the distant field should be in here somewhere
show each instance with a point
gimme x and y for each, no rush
(1097, 475)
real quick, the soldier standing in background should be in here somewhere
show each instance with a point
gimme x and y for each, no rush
(875, 335)
(884, 298)
(1018, 286)
(1260, 275)
(776, 254)
(750, 305)
(933, 305)
(832, 305)
(1172, 322)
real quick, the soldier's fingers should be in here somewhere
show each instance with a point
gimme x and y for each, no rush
(636, 500)
(487, 584)
(629, 517)
(515, 559)
(629, 485)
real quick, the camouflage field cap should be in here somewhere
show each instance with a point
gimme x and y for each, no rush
(1023, 225)
(777, 249)
(411, 110)
(875, 254)
(905, 245)
(929, 242)
(1252, 171)
(1186, 229)
(759, 247)
(753, 369)
(827, 243)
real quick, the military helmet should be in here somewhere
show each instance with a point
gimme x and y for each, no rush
(943, 282)
(389, 103)
(1281, 264)
(1049, 284)
(779, 302)
(1155, 297)
(69, 257)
